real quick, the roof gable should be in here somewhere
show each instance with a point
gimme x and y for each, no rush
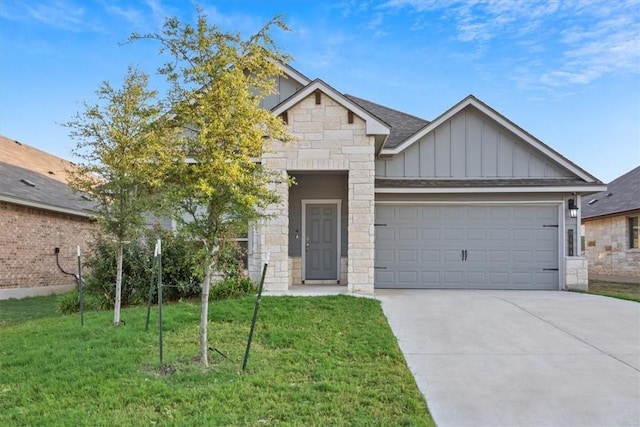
(373, 124)
(622, 195)
(544, 151)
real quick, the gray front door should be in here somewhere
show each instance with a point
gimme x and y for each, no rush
(321, 243)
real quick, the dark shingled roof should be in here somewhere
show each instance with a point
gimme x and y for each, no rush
(457, 183)
(403, 125)
(29, 186)
(622, 195)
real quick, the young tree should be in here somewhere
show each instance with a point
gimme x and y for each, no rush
(217, 81)
(118, 141)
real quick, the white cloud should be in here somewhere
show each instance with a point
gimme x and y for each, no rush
(58, 14)
(574, 42)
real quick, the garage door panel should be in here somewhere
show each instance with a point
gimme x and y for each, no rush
(476, 278)
(408, 233)
(547, 234)
(385, 233)
(407, 277)
(453, 277)
(453, 234)
(522, 256)
(454, 212)
(475, 256)
(408, 255)
(548, 256)
(499, 278)
(430, 233)
(507, 247)
(384, 278)
(430, 255)
(477, 234)
(431, 212)
(452, 256)
(496, 256)
(430, 278)
(410, 213)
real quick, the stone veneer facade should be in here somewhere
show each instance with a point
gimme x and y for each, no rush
(576, 274)
(326, 141)
(607, 247)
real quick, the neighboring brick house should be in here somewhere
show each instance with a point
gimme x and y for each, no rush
(38, 213)
(611, 221)
(384, 199)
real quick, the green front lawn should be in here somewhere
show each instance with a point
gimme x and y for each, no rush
(628, 291)
(16, 311)
(314, 361)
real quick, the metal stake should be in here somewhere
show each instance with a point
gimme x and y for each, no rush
(80, 289)
(255, 315)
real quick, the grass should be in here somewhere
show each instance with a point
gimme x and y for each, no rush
(314, 361)
(626, 291)
(17, 311)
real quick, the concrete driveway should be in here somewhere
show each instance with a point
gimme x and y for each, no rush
(520, 358)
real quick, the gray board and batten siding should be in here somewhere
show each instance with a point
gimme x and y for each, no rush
(469, 145)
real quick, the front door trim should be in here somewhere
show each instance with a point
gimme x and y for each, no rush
(338, 203)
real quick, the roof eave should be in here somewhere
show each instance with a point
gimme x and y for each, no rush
(490, 189)
(44, 206)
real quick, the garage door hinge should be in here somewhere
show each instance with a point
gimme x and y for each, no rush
(379, 225)
(551, 225)
(550, 269)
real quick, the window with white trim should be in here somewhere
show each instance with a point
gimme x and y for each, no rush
(634, 232)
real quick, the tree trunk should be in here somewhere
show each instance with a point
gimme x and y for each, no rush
(204, 314)
(116, 309)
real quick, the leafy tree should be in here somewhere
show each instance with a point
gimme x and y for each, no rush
(216, 82)
(115, 140)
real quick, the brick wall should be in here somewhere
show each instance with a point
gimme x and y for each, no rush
(28, 237)
(607, 248)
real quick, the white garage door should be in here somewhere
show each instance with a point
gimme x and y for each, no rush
(466, 246)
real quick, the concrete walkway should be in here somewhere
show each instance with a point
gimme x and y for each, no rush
(520, 358)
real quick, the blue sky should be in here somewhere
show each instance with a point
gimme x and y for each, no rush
(568, 72)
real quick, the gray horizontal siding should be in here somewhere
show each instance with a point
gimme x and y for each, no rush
(469, 145)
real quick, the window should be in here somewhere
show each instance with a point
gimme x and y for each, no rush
(634, 231)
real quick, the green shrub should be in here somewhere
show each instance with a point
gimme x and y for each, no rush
(234, 283)
(181, 270)
(231, 287)
(70, 302)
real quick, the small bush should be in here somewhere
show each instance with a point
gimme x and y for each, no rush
(70, 302)
(231, 287)
(181, 270)
(234, 283)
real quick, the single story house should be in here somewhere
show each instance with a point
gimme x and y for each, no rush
(384, 199)
(611, 223)
(41, 222)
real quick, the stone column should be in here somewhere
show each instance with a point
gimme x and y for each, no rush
(361, 217)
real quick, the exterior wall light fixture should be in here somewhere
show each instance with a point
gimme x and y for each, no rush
(573, 208)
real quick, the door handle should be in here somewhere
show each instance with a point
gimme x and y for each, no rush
(462, 255)
(465, 254)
